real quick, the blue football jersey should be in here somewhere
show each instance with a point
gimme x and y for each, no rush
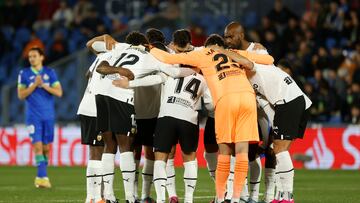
(40, 103)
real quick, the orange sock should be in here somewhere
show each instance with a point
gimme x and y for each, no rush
(222, 173)
(240, 173)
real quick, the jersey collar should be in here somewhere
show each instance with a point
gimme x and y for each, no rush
(37, 72)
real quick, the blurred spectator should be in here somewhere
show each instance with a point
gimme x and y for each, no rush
(321, 59)
(353, 104)
(81, 10)
(334, 21)
(152, 7)
(59, 47)
(198, 35)
(7, 14)
(46, 10)
(28, 12)
(63, 17)
(280, 15)
(118, 28)
(290, 33)
(34, 42)
(92, 24)
(314, 15)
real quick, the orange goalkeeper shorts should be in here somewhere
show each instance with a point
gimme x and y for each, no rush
(236, 118)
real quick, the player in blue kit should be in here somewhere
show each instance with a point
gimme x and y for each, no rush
(37, 85)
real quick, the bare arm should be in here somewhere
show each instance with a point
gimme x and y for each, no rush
(109, 42)
(188, 58)
(105, 69)
(55, 90)
(24, 92)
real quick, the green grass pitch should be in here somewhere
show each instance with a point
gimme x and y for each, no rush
(315, 186)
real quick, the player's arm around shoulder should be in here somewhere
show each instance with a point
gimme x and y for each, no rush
(101, 44)
(106, 69)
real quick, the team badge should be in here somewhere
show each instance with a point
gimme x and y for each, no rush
(99, 137)
(46, 77)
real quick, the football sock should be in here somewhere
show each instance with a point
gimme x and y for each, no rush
(160, 180)
(222, 173)
(255, 178)
(170, 183)
(147, 177)
(241, 169)
(285, 170)
(128, 168)
(108, 165)
(190, 178)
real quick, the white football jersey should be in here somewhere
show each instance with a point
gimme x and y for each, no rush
(140, 62)
(180, 97)
(257, 51)
(87, 105)
(275, 85)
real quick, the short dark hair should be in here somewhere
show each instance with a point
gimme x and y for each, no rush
(155, 35)
(215, 39)
(136, 38)
(38, 49)
(159, 45)
(181, 38)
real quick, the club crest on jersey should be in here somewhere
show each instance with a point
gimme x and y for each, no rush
(46, 77)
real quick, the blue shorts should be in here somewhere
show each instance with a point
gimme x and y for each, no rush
(41, 130)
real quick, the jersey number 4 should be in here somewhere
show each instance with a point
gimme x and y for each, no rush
(191, 87)
(129, 59)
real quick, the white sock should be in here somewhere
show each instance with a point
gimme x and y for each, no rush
(190, 178)
(279, 190)
(170, 183)
(147, 178)
(245, 191)
(94, 176)
(211, 163)
(108, 165)
(136, 184)
(255, 178)
(285, 170)
(128, 168)
(230, 180)
(269, 184)
(160, 180)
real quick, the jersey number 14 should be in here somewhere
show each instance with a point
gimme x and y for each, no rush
(191, 87)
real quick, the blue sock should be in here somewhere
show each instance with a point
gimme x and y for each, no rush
(41, 166)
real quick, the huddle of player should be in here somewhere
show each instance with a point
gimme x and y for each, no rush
(143, 93)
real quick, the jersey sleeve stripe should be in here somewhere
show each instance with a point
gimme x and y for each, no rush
(20, 85)
(55, 83)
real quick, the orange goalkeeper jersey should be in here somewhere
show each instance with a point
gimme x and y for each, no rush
(223, 76)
